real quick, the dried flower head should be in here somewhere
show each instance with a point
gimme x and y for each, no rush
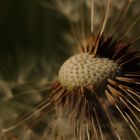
(98, 87)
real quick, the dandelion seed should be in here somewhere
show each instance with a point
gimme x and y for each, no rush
(98, 86)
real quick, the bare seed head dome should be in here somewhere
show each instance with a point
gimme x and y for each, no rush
(84, 69)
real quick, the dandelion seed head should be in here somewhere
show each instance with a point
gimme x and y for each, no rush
(97, 93)
(84, 69)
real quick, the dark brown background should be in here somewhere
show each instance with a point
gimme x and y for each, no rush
(29, 29)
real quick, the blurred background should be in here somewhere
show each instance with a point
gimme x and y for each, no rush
(30, 31)
(32, 48)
